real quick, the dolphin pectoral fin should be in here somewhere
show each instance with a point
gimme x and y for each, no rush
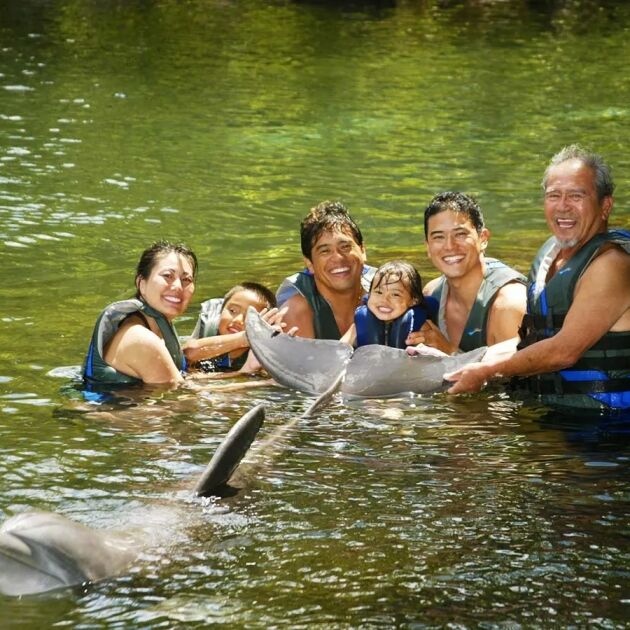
(308, 365)
(326, 397)
(230, 452)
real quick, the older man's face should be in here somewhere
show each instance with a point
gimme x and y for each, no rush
(336, 262)
(573, 212)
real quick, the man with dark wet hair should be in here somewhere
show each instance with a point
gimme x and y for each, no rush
(575, 341)
(482, 300)
(321, 300)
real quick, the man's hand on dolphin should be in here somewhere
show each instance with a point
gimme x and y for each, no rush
(424, 351)
(470, 379)
(430, 335)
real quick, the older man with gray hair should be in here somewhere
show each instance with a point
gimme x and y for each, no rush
(575, 339)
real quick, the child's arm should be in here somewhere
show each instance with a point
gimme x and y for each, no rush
(207, 347)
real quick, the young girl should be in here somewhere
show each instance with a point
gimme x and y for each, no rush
(219, 342)
(395, 307)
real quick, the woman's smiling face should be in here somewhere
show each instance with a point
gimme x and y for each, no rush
(170, 285)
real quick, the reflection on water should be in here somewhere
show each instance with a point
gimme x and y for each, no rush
(221, 123)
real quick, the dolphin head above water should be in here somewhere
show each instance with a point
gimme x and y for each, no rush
(313, 365)
(44, 551)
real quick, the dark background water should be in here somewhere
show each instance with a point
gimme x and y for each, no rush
(220, 123)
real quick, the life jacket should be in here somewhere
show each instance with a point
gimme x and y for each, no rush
(601, 377)
(208, 326)
(371, 330)
(303, 283)
(96, 371)
(497, 275)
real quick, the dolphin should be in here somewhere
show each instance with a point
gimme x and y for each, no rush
(44, 551)
(313, 366)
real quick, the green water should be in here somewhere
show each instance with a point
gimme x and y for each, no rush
(220, 123)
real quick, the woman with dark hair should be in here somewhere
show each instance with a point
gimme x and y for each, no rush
(134, 340)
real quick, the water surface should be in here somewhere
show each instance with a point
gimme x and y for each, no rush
(220, 123)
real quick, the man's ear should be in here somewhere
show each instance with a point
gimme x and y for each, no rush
(607, 206)
(485, 237)
(308, 264)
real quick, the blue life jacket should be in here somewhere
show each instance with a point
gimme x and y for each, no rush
(96, 371)
(303, 283)
(372, 330)
(600, 379)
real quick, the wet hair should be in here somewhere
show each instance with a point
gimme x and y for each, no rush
(266, 295)
(151, 255)
(327, 216)
(604, 184)
(400, 271)
(456, 202)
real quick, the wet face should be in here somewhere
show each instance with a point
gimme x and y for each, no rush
(388, 300)
(337, 262)
(234, 311)
(453, 244)
(573, 212)
(170, 285)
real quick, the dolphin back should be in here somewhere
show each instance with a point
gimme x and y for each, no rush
(311, 366)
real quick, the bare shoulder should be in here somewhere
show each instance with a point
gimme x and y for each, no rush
(512, 296)
(611, 268)
(300, 314)
(430, 286)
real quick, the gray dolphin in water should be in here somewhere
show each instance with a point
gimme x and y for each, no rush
(44, 551)
(313, 366)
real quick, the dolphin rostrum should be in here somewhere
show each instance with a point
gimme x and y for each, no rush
(44, 551)
(313, 366)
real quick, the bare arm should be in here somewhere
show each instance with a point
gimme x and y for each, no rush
(299, 315)
(207, 347)
(506, 312)
(601, 303)
(137, 351)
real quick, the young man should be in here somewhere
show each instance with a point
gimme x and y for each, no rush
(575, 352)
(482, 300)
(321, 300)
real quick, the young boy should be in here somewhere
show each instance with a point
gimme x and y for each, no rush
(218, 342)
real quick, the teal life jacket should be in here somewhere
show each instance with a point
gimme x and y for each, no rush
(600, 380)
(96, 371)
(303, 283)
(208, 326)
(371, 330)
(497, 274)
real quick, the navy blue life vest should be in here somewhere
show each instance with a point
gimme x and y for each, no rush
(371, 330)
(601, 377)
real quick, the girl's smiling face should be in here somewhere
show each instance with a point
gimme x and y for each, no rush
(389, 298)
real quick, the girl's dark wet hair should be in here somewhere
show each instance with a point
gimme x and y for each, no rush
(151, 255)
(400, 271)
(327, 216)
(265, 294)
(457, 202)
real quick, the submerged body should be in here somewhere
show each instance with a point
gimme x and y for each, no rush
(44, 551)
